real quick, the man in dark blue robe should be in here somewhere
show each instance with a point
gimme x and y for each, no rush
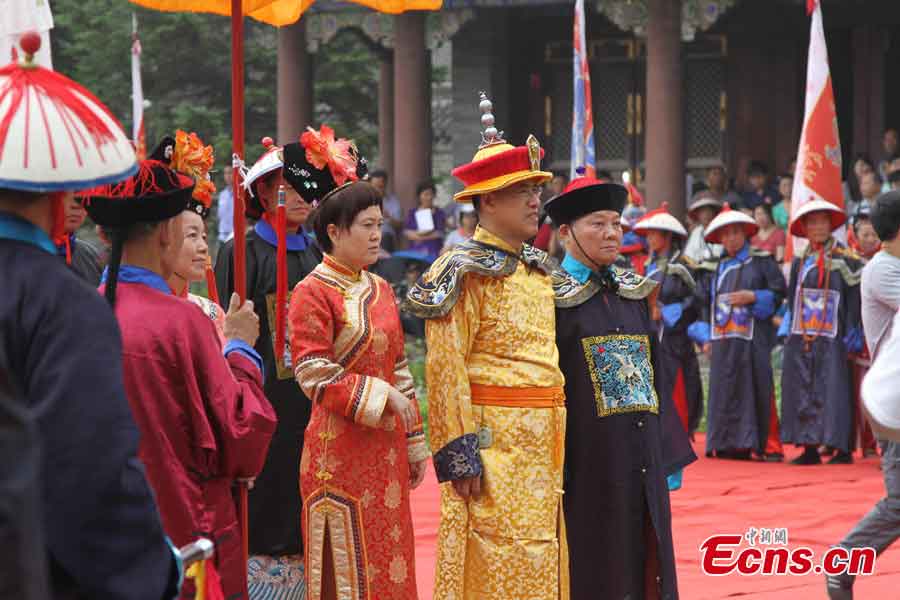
(103, 534)
(739, 294)
(823, 326)
(676, 308)
(622, 436)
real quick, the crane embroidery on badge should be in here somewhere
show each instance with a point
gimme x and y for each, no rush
(621, 374)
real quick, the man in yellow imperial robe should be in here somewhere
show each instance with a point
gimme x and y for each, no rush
(495, 392)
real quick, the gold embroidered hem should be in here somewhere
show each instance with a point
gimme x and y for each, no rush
(348, 346)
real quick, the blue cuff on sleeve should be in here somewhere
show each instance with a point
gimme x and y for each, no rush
(245, 349)
(674, 480)
(699, 332)
(671, 314)
(458, 459)
(764, 307)
(784, 330)
(178, 563)
(853, 341)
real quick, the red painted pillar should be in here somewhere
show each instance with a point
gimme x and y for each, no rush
(412, 130)
(665, 107)
(295, 89)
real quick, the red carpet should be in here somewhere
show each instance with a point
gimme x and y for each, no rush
(817, 505)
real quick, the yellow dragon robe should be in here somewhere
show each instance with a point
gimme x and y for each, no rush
(496, 409)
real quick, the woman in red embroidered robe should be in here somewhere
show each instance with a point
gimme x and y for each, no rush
(364, 447)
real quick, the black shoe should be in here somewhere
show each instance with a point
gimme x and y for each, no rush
(870, 452)
(827, 451)
(773, 457)
(838, 587)
(734, 454)
(741, 455)
(841, 458)
(809, 457)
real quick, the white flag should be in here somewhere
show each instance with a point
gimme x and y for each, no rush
(18, 17)
(818, 174)
(137, 94)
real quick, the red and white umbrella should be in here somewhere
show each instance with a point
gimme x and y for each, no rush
(55, 135)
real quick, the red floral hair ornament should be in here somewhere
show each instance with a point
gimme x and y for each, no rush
(193, 159)
(339, 155)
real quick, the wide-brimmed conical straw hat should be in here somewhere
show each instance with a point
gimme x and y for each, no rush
(798, 223)
(55, 135)
(660, 219)
(729, 216)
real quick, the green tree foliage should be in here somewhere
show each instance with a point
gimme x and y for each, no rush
(346, 89)
(186, 72)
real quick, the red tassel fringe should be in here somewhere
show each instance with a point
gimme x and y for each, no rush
(211, 289)
(143, 183)
(60, 91)
(281, 281)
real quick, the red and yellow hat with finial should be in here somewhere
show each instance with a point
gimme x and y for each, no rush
(498, 164)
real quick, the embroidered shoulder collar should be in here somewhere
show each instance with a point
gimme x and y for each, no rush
(679, 266)
(569, 292)
(843, 260)
(437, 290)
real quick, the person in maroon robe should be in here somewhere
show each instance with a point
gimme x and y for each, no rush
(203, 418)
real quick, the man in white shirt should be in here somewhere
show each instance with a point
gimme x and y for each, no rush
(225, 211)
(880, 303)
(701, 211)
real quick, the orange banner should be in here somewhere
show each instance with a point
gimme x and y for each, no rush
(279, 12)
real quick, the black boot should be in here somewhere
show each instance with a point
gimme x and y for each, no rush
(841, 458)
(810, 456)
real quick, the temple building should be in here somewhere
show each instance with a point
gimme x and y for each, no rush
(678, 85)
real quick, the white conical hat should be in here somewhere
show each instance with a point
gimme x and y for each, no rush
(271, 160)
(798, 226)
(727, 217)
(54, 134)
(660, 219)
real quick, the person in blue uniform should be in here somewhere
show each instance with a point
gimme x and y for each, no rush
(676, 308)
(623, 437)
(739, 295)
(102, 533)
(823, 326)
(79, 254)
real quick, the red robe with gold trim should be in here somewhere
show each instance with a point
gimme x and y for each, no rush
(347, 346)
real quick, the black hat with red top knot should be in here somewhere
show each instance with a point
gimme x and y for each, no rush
(585, 195)
(155, 193)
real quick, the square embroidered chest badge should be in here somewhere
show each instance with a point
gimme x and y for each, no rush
(621, 374)
(816, 312)
(731, 321)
